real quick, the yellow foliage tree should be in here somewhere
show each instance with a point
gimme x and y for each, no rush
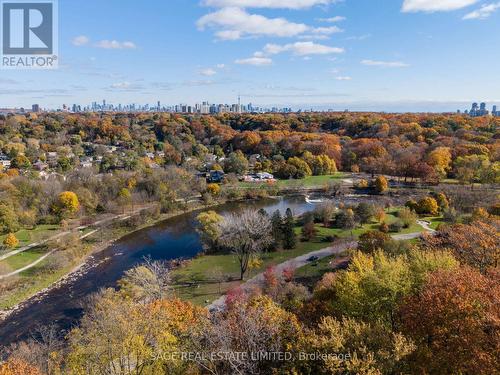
(381, 185)
(11, 241)
(68, 202)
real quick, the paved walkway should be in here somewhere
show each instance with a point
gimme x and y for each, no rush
(302, 260)
(121, 217)
(294, 263)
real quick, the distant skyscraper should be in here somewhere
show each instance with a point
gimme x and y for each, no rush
(35, 108)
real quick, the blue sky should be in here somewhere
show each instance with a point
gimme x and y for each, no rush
(393, 55)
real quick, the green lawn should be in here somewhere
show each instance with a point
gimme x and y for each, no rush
(23, 259)
(27, 236)
(197, 281)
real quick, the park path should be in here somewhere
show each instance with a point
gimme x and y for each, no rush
(301, 261)
(121, 217)
(291, 264)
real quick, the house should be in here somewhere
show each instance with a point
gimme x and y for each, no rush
(4, 162)
(264, 176)
(40, 165)
(215, 177)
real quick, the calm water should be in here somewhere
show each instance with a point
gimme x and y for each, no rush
(171, 239)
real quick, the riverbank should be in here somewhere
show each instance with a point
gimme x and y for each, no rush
(84, 264)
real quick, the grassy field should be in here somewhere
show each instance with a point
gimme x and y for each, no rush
(198, 280)
(27, 236)
(23, 259)
(308, 182)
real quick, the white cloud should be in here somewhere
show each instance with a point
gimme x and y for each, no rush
(332, 19)
(113, 44)
(327, 30)
(302, 49)
(385, 64)
(435, 5)
(255, 61)
(208, 72)
(343, 78)
(286, 4)
(220, 66)
(80, 40)
(236, 23)
(482, 13)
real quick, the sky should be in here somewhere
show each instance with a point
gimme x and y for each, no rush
(382, 55)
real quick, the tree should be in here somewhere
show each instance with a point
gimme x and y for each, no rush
(364, 212)
(21, 162)
(472, 168)
(246, 234)
(427, 206)
(209, 228)
(345, 219)
(236, 163)
(302, 168)
(124, 198)
(440, 160)
(10, 241)
(17, 367)
(147, 282)
(289, 236)
(454, 320)
(373, 286)
(372, 241)
(119, 336)
(381, 185)
(277, 228)
(68, 203)
(249, 325)
(407, 216)
(213, 189)
(309, 231)
(8, 219)
(476, 244)
(364, 348)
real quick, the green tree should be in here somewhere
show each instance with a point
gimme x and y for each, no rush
(289, 236)
(277, 228)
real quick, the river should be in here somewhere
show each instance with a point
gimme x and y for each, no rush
(174, 238)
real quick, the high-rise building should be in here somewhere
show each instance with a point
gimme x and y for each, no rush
(35, 108)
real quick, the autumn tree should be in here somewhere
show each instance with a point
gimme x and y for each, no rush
(68, 203)
(380, 184)
(363, 348)
(17, 367)
(476, 244)
(440, 159)
(371, 241)
(10, 241)
(427, 206)
(117, 335)
(373, 286)
(454, 321)
(208, 228)
(8, 219)
(147, 282)
(246, 234)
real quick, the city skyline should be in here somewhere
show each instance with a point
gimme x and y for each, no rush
(314, 54)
